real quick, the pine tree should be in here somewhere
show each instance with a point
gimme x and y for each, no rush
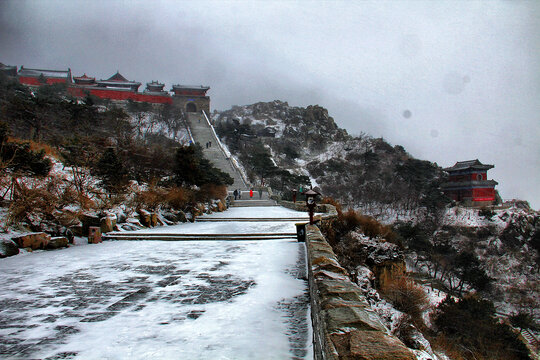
(111, 171)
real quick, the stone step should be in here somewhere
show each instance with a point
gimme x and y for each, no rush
(198, 237)
(221, 219)
(248, 203)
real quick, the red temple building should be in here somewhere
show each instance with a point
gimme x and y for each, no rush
(118, 88)
(118, 82)
(38, 77)
(468, 183)
(154, 87)
(84, 80)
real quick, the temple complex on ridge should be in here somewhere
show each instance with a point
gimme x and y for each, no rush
(116, 88)
(468, 184)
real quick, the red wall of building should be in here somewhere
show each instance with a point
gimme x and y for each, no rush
(101, 93)
(483, 194)
(27, 80)
(120, 95)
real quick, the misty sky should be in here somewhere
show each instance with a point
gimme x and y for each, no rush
(448, 80)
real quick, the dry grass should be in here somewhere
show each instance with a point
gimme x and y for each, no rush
(407, 297)
(37, 146)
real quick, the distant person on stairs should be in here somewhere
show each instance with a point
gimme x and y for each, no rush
(250, 194)
(235, 193)
(260, 193)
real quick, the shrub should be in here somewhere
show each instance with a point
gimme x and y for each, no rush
(407, 297)
(470, 327)
(211, 192)
(178, 198)
(486, 213)
(31, 201)
(149, 199)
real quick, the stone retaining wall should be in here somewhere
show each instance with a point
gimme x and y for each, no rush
(344, 326)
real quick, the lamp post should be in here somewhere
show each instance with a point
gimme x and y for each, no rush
(310, 202)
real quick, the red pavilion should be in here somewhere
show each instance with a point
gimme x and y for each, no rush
(468, 183)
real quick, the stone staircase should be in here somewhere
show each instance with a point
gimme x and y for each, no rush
(203, 133)
(253, 202)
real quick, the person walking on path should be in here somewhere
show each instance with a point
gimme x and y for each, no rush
(260, 193)
(251, 193)
(235, 193)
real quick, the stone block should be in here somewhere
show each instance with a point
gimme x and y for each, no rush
(369, 345)
(94, 235)
(341, 289)
(33, 241)
(58, 242)
(343, 318)
(331, 303)
(8, 248)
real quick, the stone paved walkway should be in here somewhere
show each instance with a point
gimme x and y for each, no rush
(157, 300)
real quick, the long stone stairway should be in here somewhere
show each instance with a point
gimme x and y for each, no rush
(203, 134)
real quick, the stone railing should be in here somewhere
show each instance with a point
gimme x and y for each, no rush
(344, 326)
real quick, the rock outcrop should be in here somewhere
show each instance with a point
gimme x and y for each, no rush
(344, 326)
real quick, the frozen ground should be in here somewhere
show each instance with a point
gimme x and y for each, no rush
(157, 300)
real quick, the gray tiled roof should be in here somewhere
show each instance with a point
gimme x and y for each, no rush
(47, 73)
(191, 87)
(469, 164)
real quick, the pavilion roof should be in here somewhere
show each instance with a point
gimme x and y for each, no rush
(118, 79)
(84, 77)
(469, 164)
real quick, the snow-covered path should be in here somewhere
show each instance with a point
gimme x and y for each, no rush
(157, 300)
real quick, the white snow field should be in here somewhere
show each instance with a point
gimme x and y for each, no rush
(159, 299)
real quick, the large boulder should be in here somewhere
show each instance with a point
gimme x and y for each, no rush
(8, 248)
(58, 242)
(108, 224)
(34, 241)
(145, 217)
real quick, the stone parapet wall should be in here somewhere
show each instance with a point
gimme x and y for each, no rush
(328, 209)
(344, 325)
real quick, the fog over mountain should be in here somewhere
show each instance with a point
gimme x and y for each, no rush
(449, 80)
